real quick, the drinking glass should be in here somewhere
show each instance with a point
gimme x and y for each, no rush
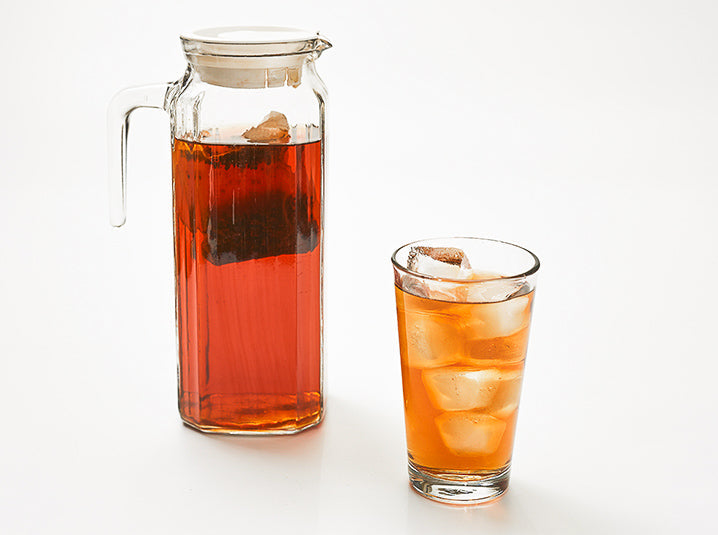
(463, 309)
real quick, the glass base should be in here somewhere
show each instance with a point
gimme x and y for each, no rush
(459, 489)
(256, 414)
(280, 428)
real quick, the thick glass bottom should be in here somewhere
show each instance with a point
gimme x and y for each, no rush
(252, 415)
(459, 488)
(266, 430)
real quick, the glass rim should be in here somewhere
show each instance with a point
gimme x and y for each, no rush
(404, 269)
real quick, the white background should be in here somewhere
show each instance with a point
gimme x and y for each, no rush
(585, 131)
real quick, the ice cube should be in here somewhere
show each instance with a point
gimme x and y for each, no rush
(506, 399)
(413, 286)
(430, 289)
(470, 433)
(432, 341)
(440, 262)
(504, 412)
(462, 389)
(493, 320)
(274, 128)
(459, 389)
(493, 290)
(445, 291)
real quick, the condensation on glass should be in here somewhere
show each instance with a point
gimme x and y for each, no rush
(248, 140)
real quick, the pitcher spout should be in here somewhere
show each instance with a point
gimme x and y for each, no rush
(321, 44)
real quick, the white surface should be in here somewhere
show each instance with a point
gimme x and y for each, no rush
(585, 131)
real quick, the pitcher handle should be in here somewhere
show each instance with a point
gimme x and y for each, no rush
(118, 125)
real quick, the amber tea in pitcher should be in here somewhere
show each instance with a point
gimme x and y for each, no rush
(257, 240)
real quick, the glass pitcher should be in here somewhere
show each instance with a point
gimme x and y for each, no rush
(248, 139)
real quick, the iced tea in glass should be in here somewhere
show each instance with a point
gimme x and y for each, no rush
(463, 308)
